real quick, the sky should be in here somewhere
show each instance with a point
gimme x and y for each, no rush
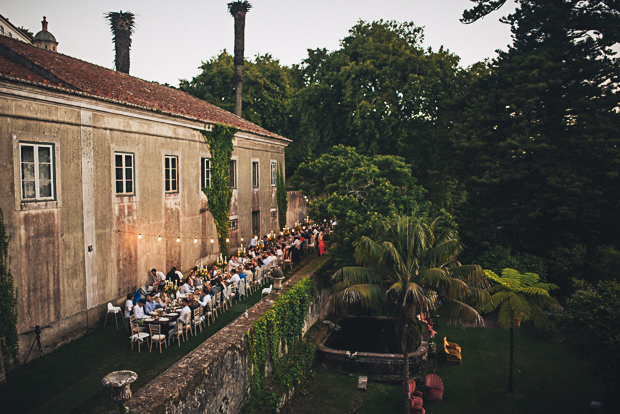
(172, 38)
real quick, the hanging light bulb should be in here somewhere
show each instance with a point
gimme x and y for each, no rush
(195, 240)
(242, 239)
(139, 236)
(211, 240)
(227, 240)
(281, 233)
(158, 238)
(178, 240)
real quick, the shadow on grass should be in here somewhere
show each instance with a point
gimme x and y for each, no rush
(68, 380)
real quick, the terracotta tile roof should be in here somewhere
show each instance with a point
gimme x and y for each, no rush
(78, 76)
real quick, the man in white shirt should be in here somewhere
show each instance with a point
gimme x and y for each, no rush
(185, 289)
(232, 263)
(158, 277)
(138, 310)
(234, 279)
(184, 319)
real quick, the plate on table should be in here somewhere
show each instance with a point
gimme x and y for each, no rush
(179, 310)
(164, 319)
(152, 313)
(173, 314)
(149, 320)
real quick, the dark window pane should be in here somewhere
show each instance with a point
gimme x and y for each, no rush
(129, 187)
(128, 174)
(28, 171)
(29, 191)
(119, 173)
(27, 153)
(167, 185)
(167, 162)
(45, 172)
(119, 187)
(173, 162)
(44, 154)
(45, 189)
(128, 160)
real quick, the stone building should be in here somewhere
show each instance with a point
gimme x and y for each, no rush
(101, 176)
(44, 39)
(8, 29)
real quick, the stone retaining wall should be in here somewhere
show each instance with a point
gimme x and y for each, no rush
(213, 378)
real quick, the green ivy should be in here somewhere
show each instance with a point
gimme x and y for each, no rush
(281, 197)
(220, 142)
(280, 330)
(9, 339)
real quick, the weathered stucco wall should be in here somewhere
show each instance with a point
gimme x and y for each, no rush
(214, 377)
(73, 254)
(297, 211)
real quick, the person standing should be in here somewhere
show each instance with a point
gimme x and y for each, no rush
(321, 245)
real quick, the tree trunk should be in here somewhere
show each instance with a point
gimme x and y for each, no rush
(2, 373)
(239, 49)
(511, 386)
(406, 380)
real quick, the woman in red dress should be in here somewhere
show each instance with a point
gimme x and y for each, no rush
(321, 244)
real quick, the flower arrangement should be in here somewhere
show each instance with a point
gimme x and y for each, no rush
(170, 288)
(203, 272)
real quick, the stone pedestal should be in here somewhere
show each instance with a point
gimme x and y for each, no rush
(120, 382)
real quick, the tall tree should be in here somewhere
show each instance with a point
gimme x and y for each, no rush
(411, 267)
(238, 9)
(539, 134)
(520, 297)
(122, 26)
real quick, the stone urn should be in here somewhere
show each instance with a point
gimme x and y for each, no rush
(119, 382)
(277, 277)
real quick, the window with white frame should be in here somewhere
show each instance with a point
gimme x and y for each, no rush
(171, 173)
(255, 176)
(234, 224)
(124, 173)
(205, 173)
(37, 171)
(233, 173)
(274, 165)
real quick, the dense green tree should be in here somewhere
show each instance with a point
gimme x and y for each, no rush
(520, 298)
(382, 93)
(591, 323)
(410, 267)
(122, 25)
(538, 136)
(238, 9)
(266, 93)
(357, 190)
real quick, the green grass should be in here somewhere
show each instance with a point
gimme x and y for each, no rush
(547, 380)
(68, 380)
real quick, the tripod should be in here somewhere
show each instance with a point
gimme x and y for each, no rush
(36, 341)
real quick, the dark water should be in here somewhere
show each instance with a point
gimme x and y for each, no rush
(365, 335)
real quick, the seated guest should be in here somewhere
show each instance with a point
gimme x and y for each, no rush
(212, 273)
(206, 296)
(158, 279)
(234, 278)
(164, 298)
(191, 276)
(184, 319)
(232, 263)
(138, 310)
(185, 289)
(243, 273)
(280, 253)
(151, 305)
(128, 307)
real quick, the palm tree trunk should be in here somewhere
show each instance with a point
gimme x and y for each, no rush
(239, 49)
(511, 386)
(406, 380)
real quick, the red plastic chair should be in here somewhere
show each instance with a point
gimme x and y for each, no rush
(434, 386)
(414, 396)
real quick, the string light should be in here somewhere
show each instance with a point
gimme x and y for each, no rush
(227, 240)
(242, 239)
(159, 238)
(211, 240)
(139, 236)
(195, 240)
(178, 240)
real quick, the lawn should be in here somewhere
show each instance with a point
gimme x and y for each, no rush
(68, 380)
(547, 380)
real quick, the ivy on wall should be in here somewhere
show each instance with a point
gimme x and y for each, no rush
(281, 197)
(220, 142)
(277, 334)
(9, 341)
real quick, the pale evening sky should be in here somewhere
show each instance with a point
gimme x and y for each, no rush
(172, 38)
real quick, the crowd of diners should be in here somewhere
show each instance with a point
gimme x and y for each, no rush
(199, 286)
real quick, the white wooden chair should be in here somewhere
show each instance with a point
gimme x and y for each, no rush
(156, 336)
(196, 322)
(136, 335)
(267, 291)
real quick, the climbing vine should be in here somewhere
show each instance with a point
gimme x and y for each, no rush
(8, 299)
(281, 197)
(277, 334)
(220, 142)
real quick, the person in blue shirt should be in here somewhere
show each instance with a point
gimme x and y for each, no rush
(151, 305)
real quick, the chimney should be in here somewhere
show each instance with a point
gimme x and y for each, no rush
(44, 24)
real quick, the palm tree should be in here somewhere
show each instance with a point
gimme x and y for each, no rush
(238, 10)
(410, 268)
(122, 26)
(520, 297)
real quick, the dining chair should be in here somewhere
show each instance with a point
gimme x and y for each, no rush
(136, 335)
(156, 336)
